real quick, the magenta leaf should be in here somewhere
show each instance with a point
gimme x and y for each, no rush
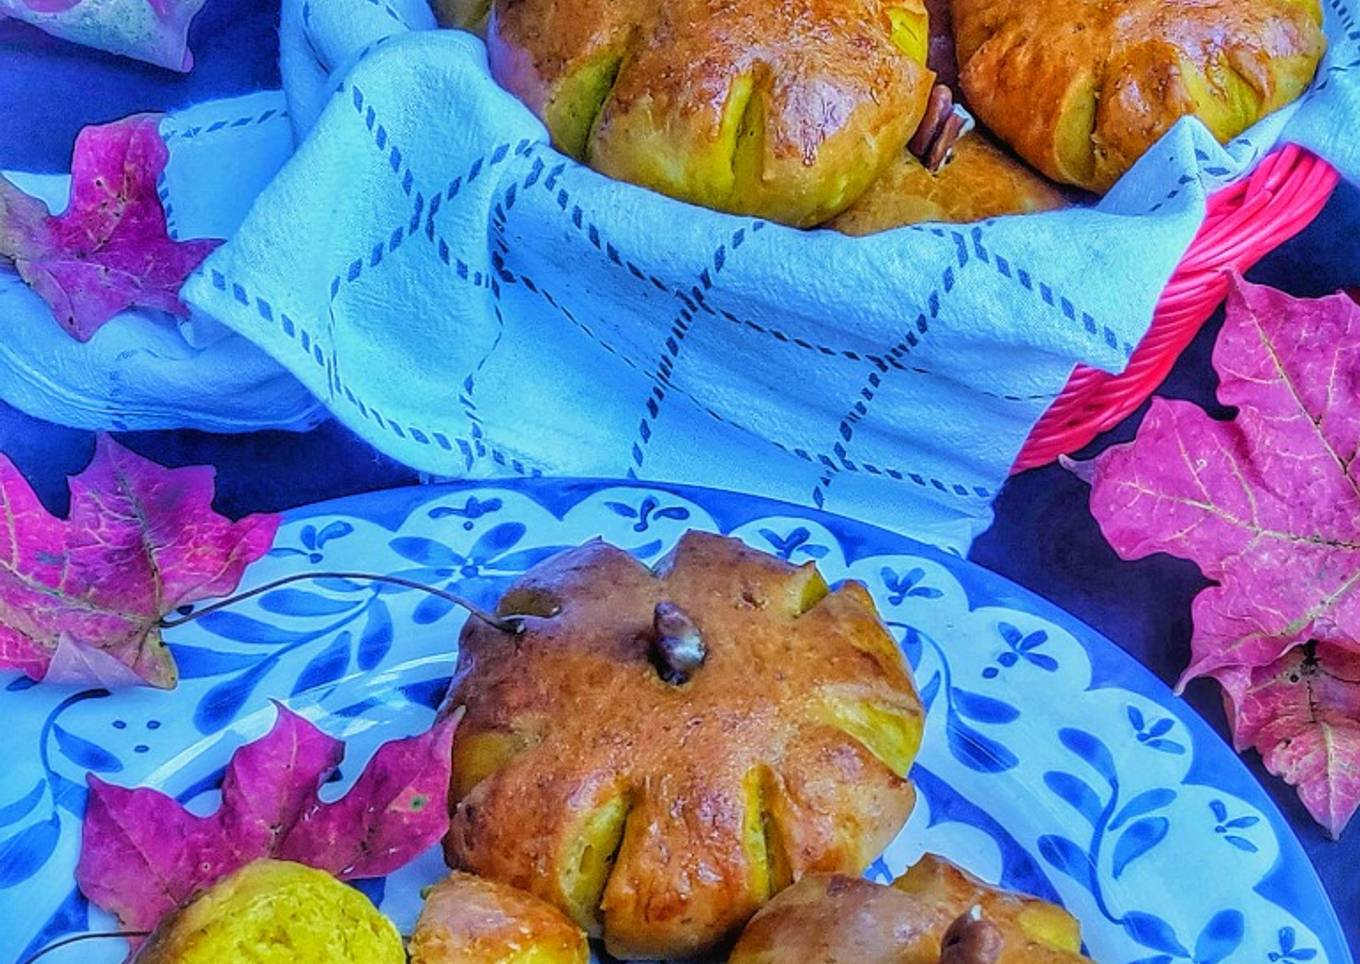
(143, 854)
(1268, 506)
(1302, 714)
(109, 250)
(81, 598)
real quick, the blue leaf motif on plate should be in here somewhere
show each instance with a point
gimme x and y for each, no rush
(335, 530)
(649, 510)
(244, 629)
(1220, 937)
(326, 666)
(431, 609)
(85, 754)
(221, 703)
(496, 541)
(299, 602)
(1289, 949)
(1153, 734)
(427, 552)
(1090, 749)
(24, 853)
(930, 691)
(195, 662)
(1134, 842)
(1077, 793)
(1146, 802)
(1066, 857)
(902, 586)
(1233, 831)
(376, 639)
(798, 540)
(975, 751)
(472, 508)
(1021, 646)
(1152, 932)
(12, 813)
(984, 709)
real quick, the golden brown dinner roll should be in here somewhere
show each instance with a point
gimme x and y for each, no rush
(469, 920)
(1082, 88)
(980, 181)
(275, 912)
(833, 919)
(784, 109)
(660, 751)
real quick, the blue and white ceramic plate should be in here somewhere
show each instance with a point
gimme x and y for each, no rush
(1052, 762)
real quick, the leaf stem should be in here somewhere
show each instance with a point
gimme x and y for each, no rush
(76, 938)
(514, 625)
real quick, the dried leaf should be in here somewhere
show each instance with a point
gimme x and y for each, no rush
(108, 251)
(1268, 506)
(1302, 713)
(81, 598)
(143, 854)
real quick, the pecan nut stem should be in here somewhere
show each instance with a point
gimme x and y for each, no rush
(678, 648)
(940, 129)
(972, 940)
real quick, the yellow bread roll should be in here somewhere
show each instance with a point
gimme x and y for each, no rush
(980, 181)
(833, 919)
(1082, 88)
(275, 912)
(658, 808)
(469, 920)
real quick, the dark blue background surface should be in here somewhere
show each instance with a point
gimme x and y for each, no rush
(1044, 538)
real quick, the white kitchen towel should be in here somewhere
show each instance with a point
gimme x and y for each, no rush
(142, 371)
(475, 304)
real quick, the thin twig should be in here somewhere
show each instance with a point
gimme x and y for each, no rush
(514, 625)
(77, 938)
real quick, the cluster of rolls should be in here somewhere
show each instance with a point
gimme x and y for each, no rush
(801, 111)
(668, 760)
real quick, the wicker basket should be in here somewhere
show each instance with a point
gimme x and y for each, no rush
(1244, 223)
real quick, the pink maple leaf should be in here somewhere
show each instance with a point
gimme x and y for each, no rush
(1302, 714)
(1267, 504)
(81, 598)
(143, 855)
(108, 251)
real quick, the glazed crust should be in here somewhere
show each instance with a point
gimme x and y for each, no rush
(469, 920)
(732, 784)
(833, 919)
(784, 109)
(980, 181)
(1082, 88)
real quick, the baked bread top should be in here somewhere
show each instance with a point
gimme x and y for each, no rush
(980, 180)
(833, 919)
(1082, 88)
(660, 814)
(784, 109)
(469, 920)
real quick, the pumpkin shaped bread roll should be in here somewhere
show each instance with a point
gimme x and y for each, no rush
(275, 912)
(934, 912)
(979, 181)
(1083, 88)
(469, 920)
(661, 751)
(783, 109)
